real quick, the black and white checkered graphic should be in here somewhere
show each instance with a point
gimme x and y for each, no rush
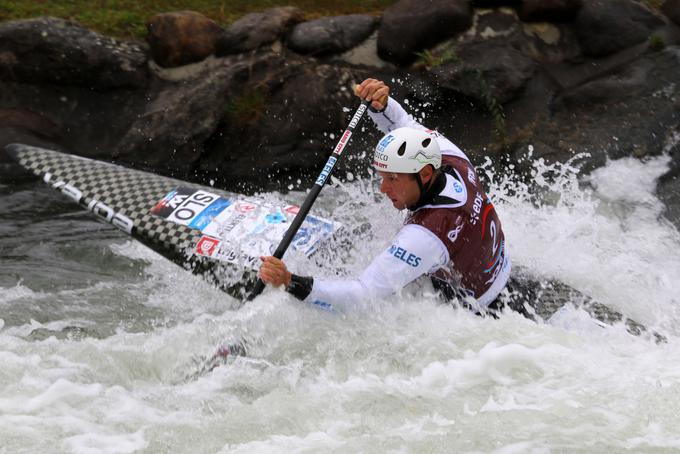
(132, 193)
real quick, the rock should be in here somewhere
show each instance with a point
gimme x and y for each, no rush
(365, 54)
(549, 10)
(181, 37)
(610, 88)
(668, 186)
(488, 63)
(487, 71)
(51, 50)
(671, 8)
(278, 127)
(331, 35)
(607, 26)
(255, 30)
(494, 3)
(182, 116)
(410, 26)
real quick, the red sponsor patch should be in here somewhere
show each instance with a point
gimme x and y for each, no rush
(245, 207)
(292, 209)
(206, 246)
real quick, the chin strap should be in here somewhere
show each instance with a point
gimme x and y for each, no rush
(432, 189)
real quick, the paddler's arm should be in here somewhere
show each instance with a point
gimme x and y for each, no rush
(388, 114)
(414, 252)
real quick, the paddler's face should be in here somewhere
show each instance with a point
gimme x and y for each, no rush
(401, 188)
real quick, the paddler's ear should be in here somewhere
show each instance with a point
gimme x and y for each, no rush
(426, 174)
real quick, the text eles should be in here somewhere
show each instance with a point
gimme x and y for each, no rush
(404, 255)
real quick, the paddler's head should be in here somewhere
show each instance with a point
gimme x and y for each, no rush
(406, 160)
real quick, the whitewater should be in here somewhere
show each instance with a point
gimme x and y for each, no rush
(102, 341)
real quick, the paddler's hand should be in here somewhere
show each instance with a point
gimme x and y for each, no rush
(373, 90)
(273, 271)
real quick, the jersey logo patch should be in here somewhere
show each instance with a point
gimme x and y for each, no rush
(404, 255)
(453, 234)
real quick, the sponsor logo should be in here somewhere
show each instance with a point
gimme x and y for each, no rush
(187, 208)
(323, 305)
(100, 209)
(231, 223)
(326, 171)
(423, 158)
(343, 142)
(171, 201)
(292, 209)
(433, 133)
(245, 207)
(453, 234)
(357, 116)
(404, 255)
(476, 209)
(206, 216)
(496, 264)
(206, 246)
(378, 156)
(382, 165)
(224, 252)
(457, 187)
(472, 178)
(276, 218)
(384, 142)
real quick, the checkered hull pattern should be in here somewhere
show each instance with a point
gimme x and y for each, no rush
(132, 193)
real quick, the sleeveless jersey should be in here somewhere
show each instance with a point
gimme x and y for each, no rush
(464, 219)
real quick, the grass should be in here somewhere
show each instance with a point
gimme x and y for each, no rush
(247, 108)
(127, 18)
(432, 59)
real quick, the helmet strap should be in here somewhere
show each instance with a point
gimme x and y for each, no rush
(424, 191)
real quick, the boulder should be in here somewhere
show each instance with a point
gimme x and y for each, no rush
(489, 71)
(331, 35)
(410, 26)
(281, 126)
(51, 50)
(607, 26)
(549, 10)
(255, 30)
(671, 8)
(182, 37)
(489, 62)
(171, 132)
(494, 3)
(668, 186)
(629, 81)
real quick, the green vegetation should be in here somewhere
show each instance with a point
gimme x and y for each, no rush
(432, 59)
(247, 108)
(491, 104)
(127, 18)
(656, 43)
(654, 4)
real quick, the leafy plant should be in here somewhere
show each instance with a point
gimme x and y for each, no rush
(247, 108)
(656, 43)
(491, 104)
(432, 59)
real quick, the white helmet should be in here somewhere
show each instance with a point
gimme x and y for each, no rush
(406, 150)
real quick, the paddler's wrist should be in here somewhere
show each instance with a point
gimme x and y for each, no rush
(382, 101)
(300, 286)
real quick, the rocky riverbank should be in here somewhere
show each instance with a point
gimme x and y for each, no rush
(257, 105)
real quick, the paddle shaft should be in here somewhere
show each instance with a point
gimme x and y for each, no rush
(314, 192)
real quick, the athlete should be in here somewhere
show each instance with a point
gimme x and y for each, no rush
(451, 233)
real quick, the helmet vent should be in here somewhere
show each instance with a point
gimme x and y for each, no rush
(402, 149)
(426, 142)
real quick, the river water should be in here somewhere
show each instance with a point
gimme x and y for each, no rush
(102, 341)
